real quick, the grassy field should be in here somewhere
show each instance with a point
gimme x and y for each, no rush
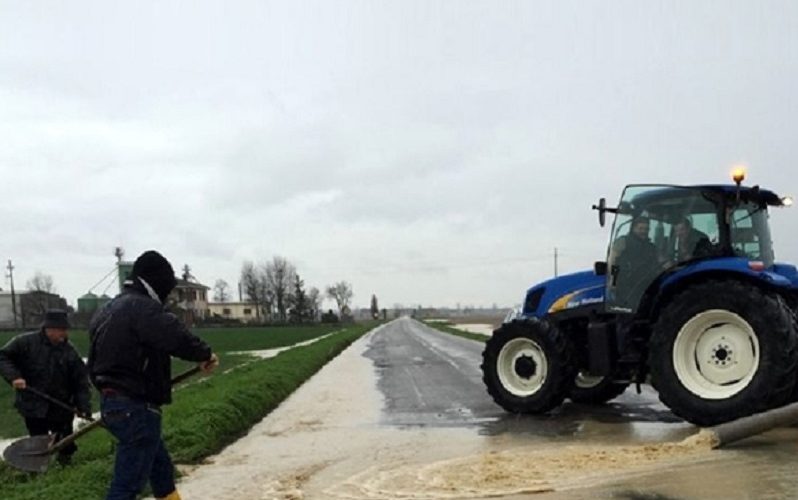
(202, 420)
(448, 327)
(222, 340)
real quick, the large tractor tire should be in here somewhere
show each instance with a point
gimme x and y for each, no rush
(595, 390)
(723, 350)
(528, 366)
(794, 395)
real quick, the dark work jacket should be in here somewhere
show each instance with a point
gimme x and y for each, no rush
(55, 369)
(697, 245)
(132, 340)
(638, 256)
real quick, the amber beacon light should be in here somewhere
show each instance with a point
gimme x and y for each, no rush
(738, 175)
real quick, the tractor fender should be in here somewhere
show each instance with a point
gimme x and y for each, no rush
(725, 268)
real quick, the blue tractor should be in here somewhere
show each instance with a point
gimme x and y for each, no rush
(689, 298)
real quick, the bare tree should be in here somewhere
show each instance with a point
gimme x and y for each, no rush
(314, 302)
(220, 293)
(280, 276)
(252, 285)
(341, 293)
(41, 283)
(40, 297)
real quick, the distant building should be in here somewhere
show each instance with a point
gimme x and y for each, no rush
(246, 312)
(191, 299)
(89, 303)
(30, 306)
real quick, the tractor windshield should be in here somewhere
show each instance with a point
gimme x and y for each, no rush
(750, 233)
(656, 228)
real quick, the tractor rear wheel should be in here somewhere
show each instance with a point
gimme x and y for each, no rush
(595, 390)
(722, 350)
(528, 366)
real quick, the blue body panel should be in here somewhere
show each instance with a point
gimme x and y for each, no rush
(585, 288)
(788, 271)
(735, 265)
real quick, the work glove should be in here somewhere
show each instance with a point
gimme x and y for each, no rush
(210, 365)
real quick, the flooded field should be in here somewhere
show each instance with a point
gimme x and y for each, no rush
(480, 328)
(402, 414)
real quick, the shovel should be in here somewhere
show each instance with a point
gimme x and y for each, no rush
(32, 454)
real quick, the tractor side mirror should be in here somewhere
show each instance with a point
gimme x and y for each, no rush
(602, 210)
(600, 268)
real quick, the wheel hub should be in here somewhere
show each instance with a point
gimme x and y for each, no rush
(716, 354)
(722, 355)
(522, 367)
(525, 367)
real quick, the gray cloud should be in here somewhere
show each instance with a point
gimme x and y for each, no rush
(428, 152)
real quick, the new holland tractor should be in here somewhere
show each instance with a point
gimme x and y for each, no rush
(690, 298)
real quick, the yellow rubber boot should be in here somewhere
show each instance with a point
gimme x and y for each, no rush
(171, 496)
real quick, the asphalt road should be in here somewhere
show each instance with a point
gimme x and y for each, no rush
(430, 378)
(403, 414)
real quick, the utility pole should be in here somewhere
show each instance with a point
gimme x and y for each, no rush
(10, 276)
(556, 255)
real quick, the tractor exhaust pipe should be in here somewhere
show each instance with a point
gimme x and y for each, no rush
(731, 432)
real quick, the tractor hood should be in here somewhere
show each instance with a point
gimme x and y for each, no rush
(563, 293)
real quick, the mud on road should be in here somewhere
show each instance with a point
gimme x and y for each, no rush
(403, 414)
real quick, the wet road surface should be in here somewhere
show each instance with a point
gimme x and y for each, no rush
(403, 413)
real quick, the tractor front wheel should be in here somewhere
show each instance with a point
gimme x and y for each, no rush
(528, 366)
(723, 350)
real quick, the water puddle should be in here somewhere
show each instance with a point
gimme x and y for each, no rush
(478, 328)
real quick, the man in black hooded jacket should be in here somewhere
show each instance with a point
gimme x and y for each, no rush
(133, 339)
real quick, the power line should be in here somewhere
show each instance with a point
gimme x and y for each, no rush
(108, 286)
(103, 279)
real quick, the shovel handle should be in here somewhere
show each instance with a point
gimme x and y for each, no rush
(57, 402)
(75, 435)
(186, 374)
(98, 423)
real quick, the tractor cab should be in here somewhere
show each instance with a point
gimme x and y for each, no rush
(660, 229)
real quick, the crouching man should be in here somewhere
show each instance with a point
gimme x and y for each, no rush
(45, 360)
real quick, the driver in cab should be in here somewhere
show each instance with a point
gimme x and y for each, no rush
(690, 242)
(635, 260)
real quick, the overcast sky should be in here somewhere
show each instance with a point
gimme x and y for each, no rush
(430, 153)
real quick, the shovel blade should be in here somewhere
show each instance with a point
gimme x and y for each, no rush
(30, 454)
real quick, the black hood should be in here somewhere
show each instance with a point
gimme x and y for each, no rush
(153, 268)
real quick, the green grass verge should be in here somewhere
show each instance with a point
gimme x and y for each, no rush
(222, 340)
(203, 419)
(226, 339)
(448, 327)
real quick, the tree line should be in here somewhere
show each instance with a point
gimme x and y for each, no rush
(279, 294)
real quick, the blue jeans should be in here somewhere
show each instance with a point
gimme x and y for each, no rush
(140, 454)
